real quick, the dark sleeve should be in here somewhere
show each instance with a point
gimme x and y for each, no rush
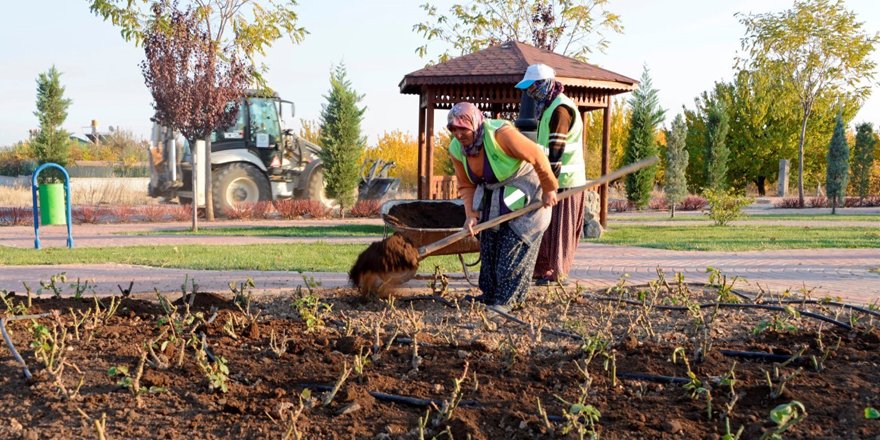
(560, 124)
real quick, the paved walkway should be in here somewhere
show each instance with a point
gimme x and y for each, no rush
(837, 272)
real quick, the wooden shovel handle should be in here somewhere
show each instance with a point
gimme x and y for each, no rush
(464, 233)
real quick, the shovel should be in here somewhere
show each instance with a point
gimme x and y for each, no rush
(464, 233)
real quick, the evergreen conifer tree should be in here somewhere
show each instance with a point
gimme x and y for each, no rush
(342, 143)
(676, 164)
(863, 158)
(641, 141)
(51, 143)
(717, 152)
(838, 165)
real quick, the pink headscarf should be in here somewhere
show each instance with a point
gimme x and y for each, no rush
(467, 115)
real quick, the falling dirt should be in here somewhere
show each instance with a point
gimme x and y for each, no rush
(384, 265)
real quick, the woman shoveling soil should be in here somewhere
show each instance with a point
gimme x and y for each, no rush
(504, 171)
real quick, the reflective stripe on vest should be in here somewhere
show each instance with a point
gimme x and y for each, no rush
(514, 198)
(502, 165)
(573, 173)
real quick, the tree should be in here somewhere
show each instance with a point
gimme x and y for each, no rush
(342, 144)
(694, 144)
(717, 153)
(838, 165)
(593, 123)
(863, 158)
(641, 141)
(816, 47)
(676, 164)
(246, 27)
(51, 143)
(763, 128)
(192, 81)
(575, 26)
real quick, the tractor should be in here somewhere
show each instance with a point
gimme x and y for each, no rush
(253, 160)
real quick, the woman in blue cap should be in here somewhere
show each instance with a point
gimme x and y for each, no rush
(560, 134)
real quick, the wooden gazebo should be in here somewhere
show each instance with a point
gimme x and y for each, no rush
(487, 78)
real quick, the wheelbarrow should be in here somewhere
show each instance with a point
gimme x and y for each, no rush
(423, 222)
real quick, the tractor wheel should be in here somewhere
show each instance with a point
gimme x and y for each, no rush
(238, 182)
(315, 189)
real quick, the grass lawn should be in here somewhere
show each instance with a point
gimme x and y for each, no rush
(689, 217)
(278, 231)
(311, 257)
(325, 257)
(741, 238)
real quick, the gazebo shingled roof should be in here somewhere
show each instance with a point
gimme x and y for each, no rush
(487, 78)
(506, 63)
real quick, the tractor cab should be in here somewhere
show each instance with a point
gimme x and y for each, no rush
(257, 129)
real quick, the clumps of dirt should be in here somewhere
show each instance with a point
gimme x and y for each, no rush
(207, 300)
(434, 215)
(351, 344)
(384, 265)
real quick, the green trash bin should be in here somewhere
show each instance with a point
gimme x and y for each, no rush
(53, 210)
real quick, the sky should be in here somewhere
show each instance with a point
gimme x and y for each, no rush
(687, 45)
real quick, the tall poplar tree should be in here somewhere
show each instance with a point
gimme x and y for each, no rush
(342, 143)
(717, 153)
(641, 142)
(838, 165)
(51, 143)
(863, 158)
(676, 164)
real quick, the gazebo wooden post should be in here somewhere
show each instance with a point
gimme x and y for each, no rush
(421, 139)
(584, 135)
(429, 151)
(606, 143)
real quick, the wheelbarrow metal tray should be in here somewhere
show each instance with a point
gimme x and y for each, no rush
(421, 236)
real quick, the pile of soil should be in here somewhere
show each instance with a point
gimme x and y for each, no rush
(509, 367)
(432, 215)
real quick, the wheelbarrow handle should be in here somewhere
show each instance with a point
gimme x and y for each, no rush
(464, 233)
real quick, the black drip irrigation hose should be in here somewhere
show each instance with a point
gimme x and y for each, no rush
(651, 377)
(25, 371)
(207, 348)
(408, 400)
(806, 313)
(745, 296)
(758, 355)
(828, 303)
(693, 283)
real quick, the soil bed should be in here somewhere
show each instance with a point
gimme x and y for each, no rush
(504, 368)
(429, 215)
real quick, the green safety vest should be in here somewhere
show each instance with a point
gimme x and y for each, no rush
(572, 173)
(502, 165)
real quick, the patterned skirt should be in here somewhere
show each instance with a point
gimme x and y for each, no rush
(506, 266)
(560, 240)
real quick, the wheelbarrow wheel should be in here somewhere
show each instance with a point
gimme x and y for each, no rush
(464, 268)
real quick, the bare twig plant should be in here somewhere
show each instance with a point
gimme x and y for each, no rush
(346, 371)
